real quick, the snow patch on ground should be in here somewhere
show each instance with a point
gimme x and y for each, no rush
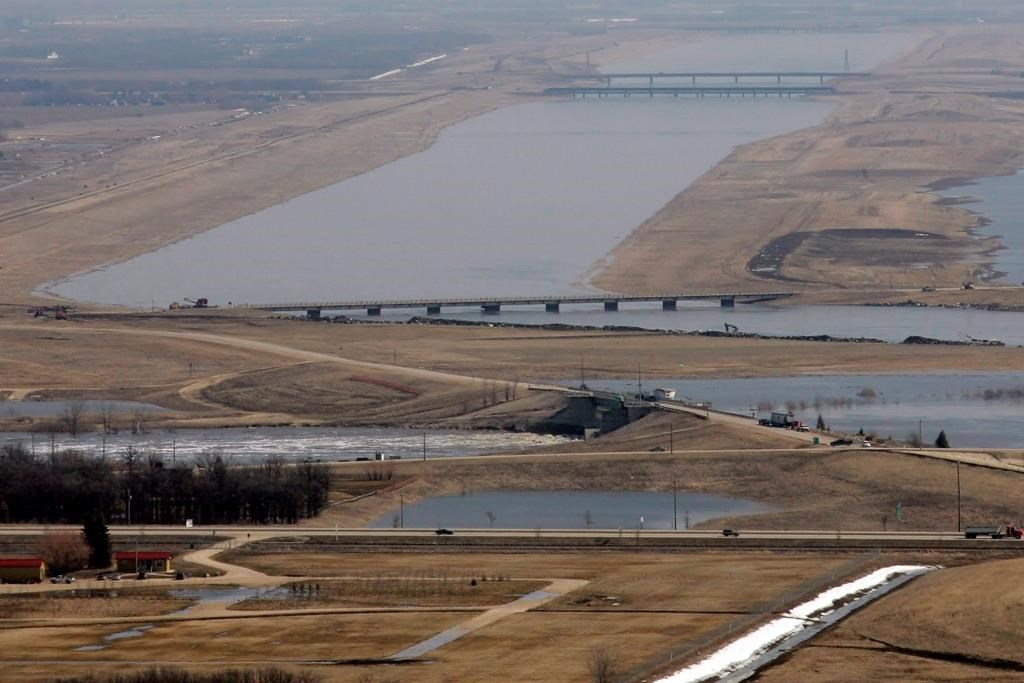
(743, 650)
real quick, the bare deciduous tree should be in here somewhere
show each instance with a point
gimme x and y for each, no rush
(107, 417)
(603, 665)
(491, 518)
(63, 551)
(73, 416)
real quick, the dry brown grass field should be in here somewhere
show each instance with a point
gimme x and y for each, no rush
(257, 370)
(666, 602)
(961, 624)
(86, 604)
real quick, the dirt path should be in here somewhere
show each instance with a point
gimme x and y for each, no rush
(555, 589)
(289, 352)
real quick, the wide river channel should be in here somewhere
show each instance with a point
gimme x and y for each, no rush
(523, 200)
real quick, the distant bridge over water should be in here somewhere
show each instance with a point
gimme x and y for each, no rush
(712, 85)
(552, 304)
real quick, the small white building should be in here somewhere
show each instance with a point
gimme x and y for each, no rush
(53, 56)
(663, 394)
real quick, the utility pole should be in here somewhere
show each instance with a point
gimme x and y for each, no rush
(675, 507)
(920, 442)
(639, 384)
(959, 518)
(671, 438)
(424, 446)
(401, 509)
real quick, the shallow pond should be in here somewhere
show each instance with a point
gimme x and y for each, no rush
(567, 510)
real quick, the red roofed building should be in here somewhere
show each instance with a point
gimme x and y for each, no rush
(22, 570)
(148, 561)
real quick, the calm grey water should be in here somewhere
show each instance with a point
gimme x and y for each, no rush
(568, 510)
(20, 408)
(888, 323)
(522, 200)
(325, 443)
(999, 199)
(983, 410)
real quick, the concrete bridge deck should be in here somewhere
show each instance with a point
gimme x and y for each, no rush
(735, 75)
(552, 304)
(698, 90)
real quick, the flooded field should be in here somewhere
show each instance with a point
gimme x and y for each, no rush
(568, 510)
(19, 408)
(1000, 200)
(983, 410)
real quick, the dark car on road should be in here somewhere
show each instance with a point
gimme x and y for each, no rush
(842, 442)
(444, 532)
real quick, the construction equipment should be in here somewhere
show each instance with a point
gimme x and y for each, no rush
(731, 329)
(59, 312)
(201, 302)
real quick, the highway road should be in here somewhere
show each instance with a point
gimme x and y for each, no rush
(255, 533)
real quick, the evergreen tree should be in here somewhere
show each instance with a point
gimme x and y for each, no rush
(942, 441)
(821, 423)
(97, 537)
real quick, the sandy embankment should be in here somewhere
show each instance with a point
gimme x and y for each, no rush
(940, 112)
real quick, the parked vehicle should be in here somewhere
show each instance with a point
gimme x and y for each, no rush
(842, 442)
(730, 532)
(444, 532)
(62, 579)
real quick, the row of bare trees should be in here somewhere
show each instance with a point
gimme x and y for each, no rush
(69, 486)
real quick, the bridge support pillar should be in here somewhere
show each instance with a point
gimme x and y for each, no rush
(551, 307)
(611, 305)
(668, 304)
(373, 310)
(313, 314)
(491, 308)
(728, 302)
(433, 310)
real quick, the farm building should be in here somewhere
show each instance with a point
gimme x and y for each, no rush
(148, 561)
(22, 570)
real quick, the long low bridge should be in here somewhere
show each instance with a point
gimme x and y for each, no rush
(552, 304)
(698, 90)
(712, 86)
(692, 76)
